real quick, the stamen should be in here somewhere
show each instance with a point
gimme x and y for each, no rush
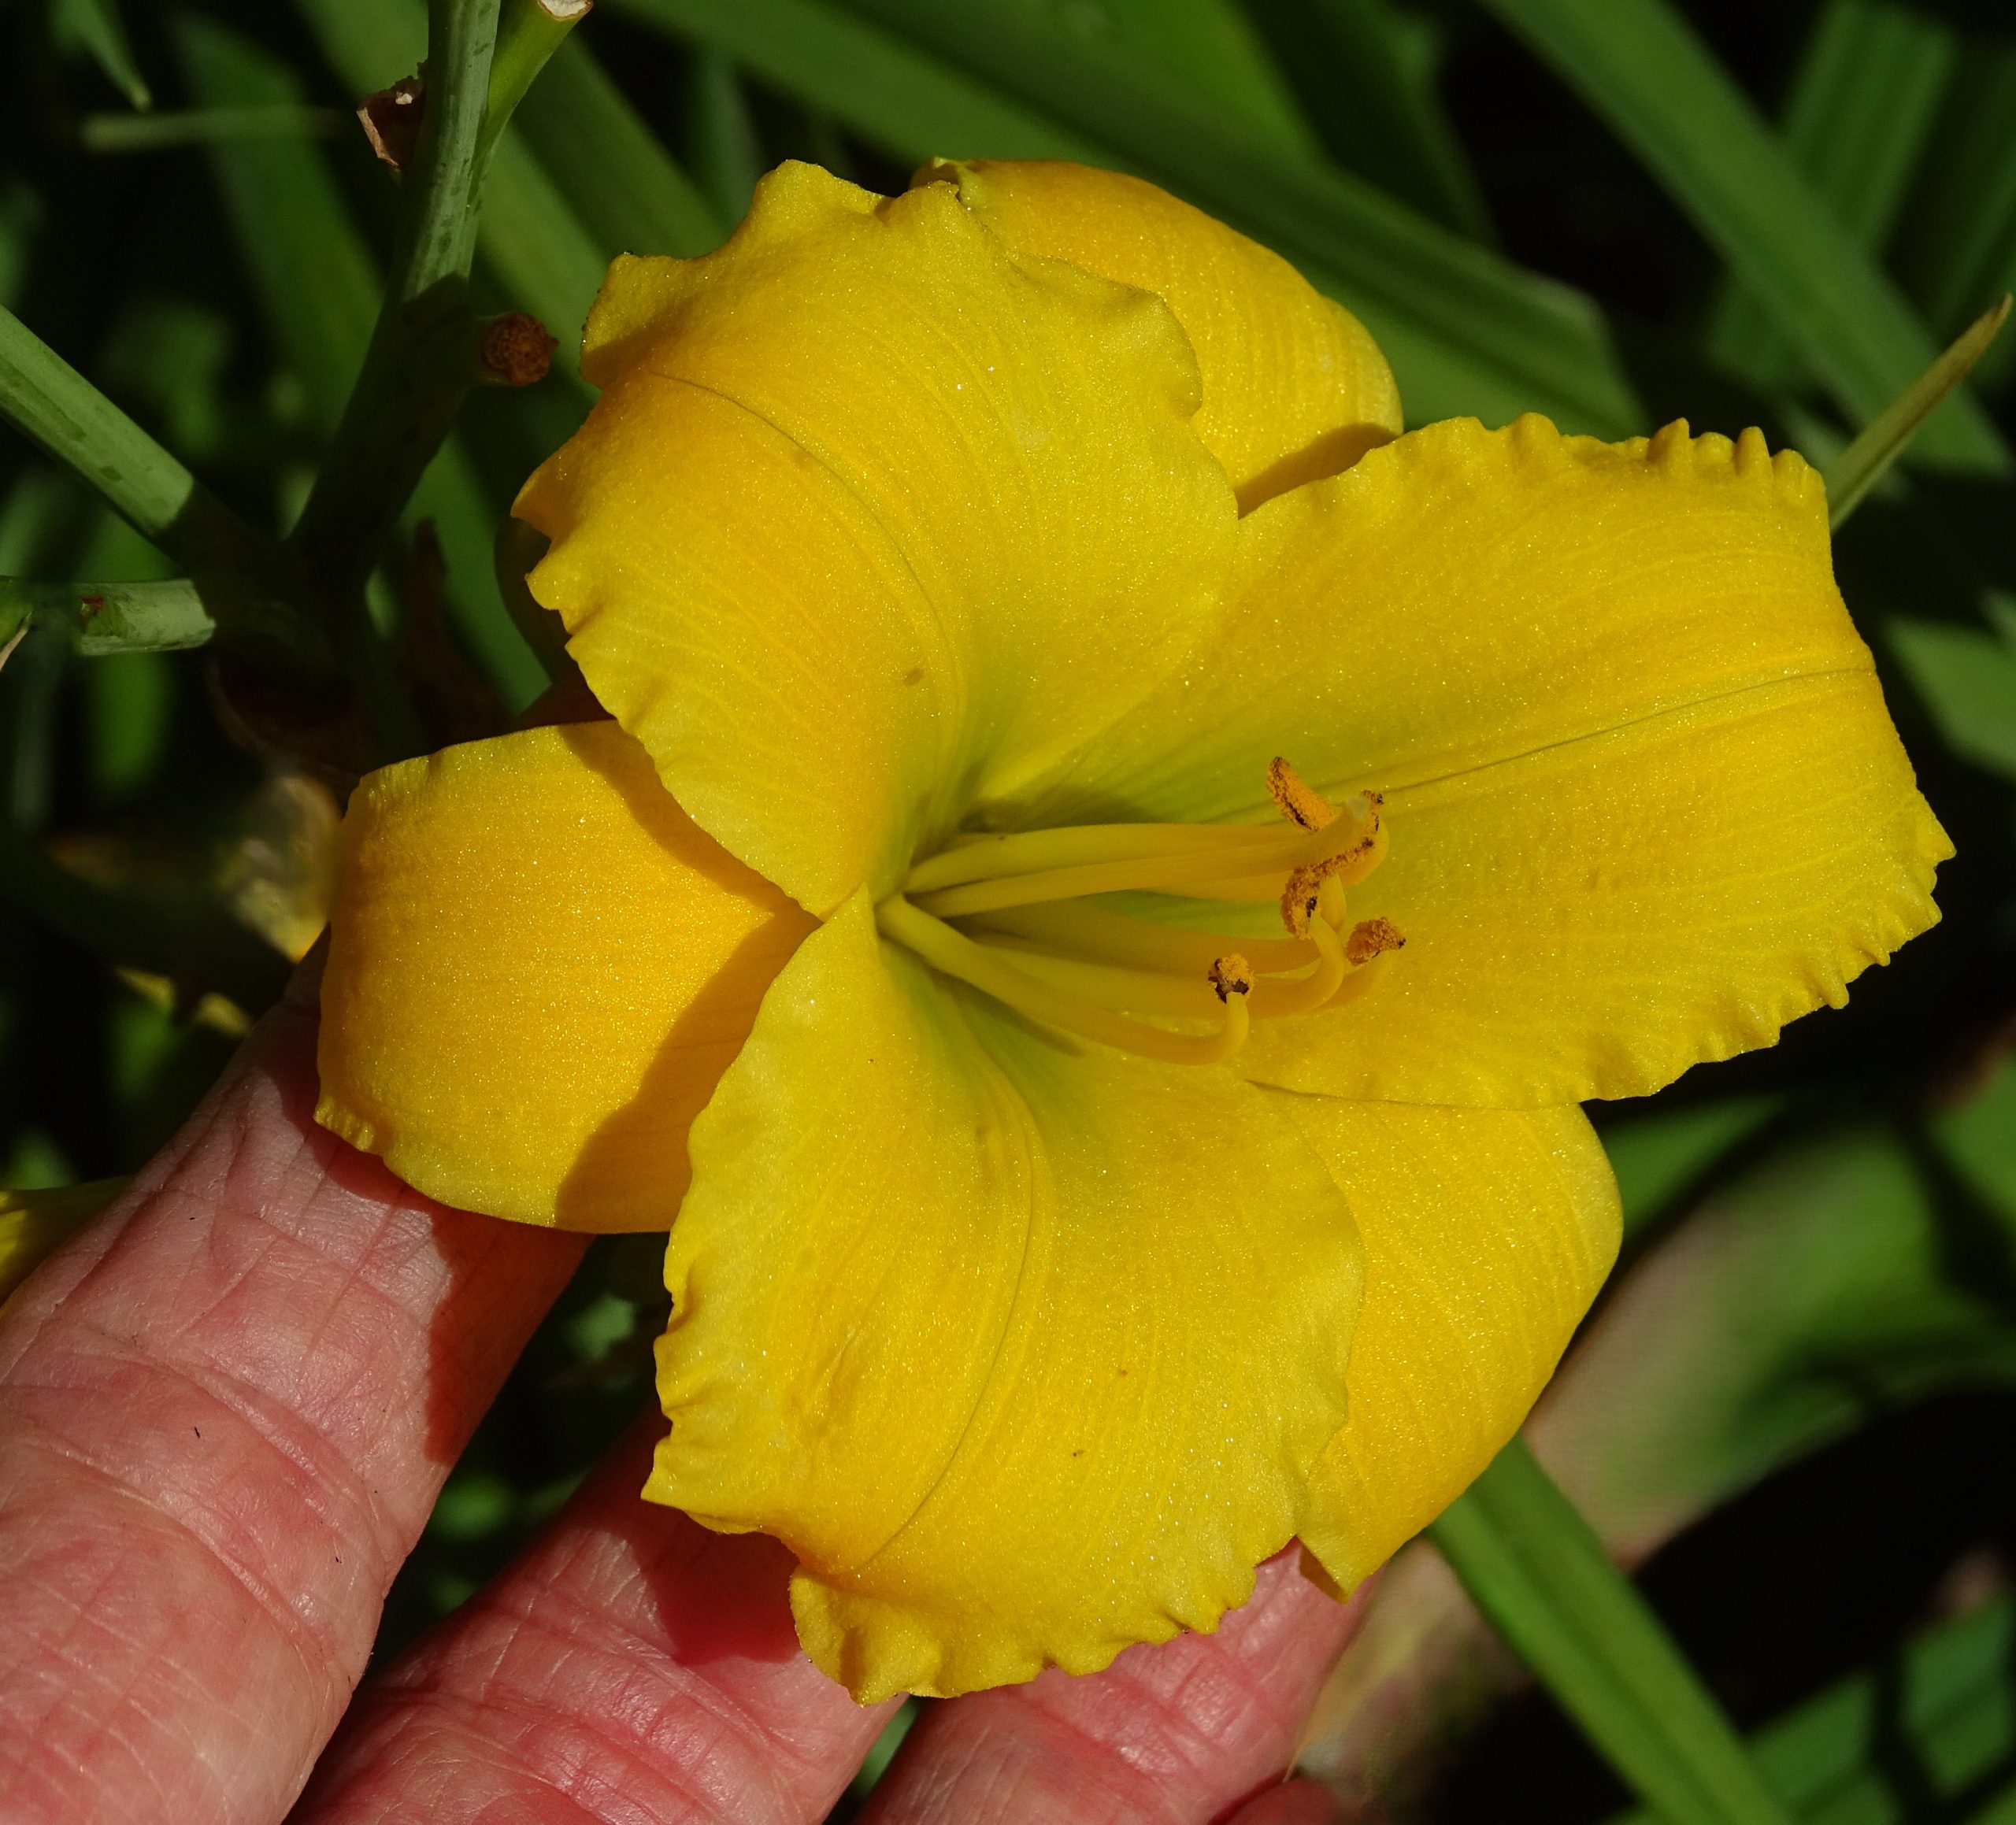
(988, 858)
(1186, 995)
(1347, 869)
(1230, 975)
(1037, 945)
(1370, 937)
(1183, 871)
(1295, 801)
(1277, 999)
(987, 970)
(1086, 931)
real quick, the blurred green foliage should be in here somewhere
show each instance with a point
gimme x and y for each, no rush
(1614, 211)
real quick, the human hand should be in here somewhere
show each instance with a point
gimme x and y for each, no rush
(225, 1411)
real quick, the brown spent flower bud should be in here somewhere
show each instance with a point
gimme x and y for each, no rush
(515, 350)
(392, 119)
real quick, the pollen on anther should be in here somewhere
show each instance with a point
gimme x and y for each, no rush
(1231, 975)
(1294, 800)
(1370, 937)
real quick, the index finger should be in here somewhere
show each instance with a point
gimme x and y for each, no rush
(1183, 1731)
(225, 1411)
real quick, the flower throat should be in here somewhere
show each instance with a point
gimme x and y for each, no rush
(1013, 916)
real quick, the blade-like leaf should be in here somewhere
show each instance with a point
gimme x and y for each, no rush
(205, 127)
(1208, 44)
(1444, 309)
(1533, 1566)
(721, 137)
(1968, 680)
(615, 174)
(96, 28)
(1851, 476)
(1638, 63)
(1358, 68)
(1862, 104)
(1465, 330)
(1932, 1725)
(1959, 246)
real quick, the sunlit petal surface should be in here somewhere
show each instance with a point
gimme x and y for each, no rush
(538, 966)
(1021, 1345)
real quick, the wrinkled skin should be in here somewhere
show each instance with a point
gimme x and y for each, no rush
(227, 1407)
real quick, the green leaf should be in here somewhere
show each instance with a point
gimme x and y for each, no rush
(1359, 70)
(1851, 476)
(1209, 46)
(616, 175)
(315, 279)
(1958, 251)
(1638, 63)
(720, 135)
(1465, 331)
(1862, 104)
(1658, 1155)
(1927, 1732)
(95, 28)
(912, 105)
(205, 127)
(537, 251)
(1532, 1565)
(1968, 681)
(1840, 1279)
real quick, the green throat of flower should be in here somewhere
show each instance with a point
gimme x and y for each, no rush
(1016, 917)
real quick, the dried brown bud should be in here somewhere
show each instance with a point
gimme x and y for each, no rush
(515, 350)
(392, 119)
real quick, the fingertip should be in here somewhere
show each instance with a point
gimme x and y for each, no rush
(1290, 1803)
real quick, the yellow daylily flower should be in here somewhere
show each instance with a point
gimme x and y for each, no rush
(979, 925)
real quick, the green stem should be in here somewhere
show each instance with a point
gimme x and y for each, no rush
(243, 578)
(1538, 1572)
(528, 34)
(109, 617)
(421, 362)
(51, 402)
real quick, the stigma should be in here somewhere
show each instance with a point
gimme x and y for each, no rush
(1019, 918)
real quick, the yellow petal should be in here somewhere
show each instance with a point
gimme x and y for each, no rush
(538, 968)
(1592, 920)
(1021, 1346)
(875, 522)
(1487, 1233)
(1295, 387)
(1645, 803)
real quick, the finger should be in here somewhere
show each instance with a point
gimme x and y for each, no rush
(224, 1410)
(1294, 1803)
(632, 1667)
(1182, 1731)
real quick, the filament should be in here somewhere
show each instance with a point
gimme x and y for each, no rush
(955, 954)
(1030, 938)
